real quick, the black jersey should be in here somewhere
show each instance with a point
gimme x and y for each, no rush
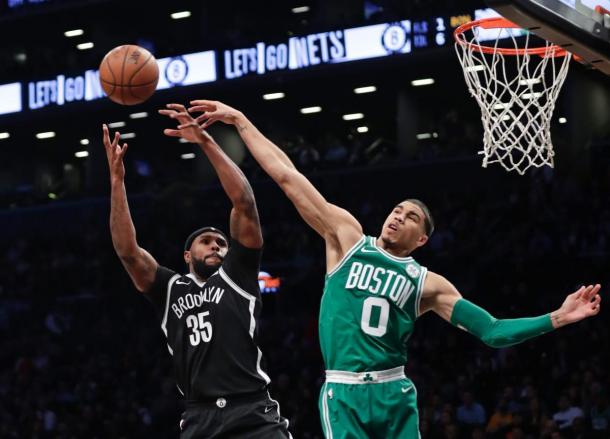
(211, 327)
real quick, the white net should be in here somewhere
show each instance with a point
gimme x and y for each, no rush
(517, 95)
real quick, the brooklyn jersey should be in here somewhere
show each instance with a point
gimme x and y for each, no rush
(211, 326)
(370, 303)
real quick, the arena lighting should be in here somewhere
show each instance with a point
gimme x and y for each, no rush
(4, 135)
(84, 141)
(128, 136)
(353, 116)
(367, 89)
(362, 129)
(188, 156)
(531, 95)
(140, 115)
(420, 82)
(529, 81)
(52, 196)
(476, 68)
(300, 9)
(310, 110)
(73, 33)
(116, 125)
(84, 46)
(502, 106)
(179, 15)
(272, 96)
(423, 136)
(561, 120)
(45, 135)
(81, 154)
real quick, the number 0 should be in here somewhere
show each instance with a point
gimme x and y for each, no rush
(367, 309)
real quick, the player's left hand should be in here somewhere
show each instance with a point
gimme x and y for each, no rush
(583, 303)
(188, 128)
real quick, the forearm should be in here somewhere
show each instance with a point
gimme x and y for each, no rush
(232, 179)
(121, 226)
(498, 332)
(269, 156)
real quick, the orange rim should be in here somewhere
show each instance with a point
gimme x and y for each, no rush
(502, 23)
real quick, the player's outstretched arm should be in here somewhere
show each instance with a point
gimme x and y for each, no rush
(337, 226)
(245, 225)
(140, 265)
(443, 298)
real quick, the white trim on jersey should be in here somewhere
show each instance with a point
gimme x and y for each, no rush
(174, 278)
(278, 413)
(252, 299)
(325, 414)
(420, 290)
(200, 284)
(385, 253)
(346, 256)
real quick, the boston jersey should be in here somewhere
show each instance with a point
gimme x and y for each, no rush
(211, 326)
(369, 306)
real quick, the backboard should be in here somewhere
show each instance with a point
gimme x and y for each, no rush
(580, 26)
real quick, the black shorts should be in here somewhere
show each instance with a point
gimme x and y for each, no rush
(244, 417)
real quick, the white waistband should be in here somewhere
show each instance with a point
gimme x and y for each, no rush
(372, 377)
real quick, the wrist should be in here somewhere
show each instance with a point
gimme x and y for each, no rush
(558, 319)
(240, 121)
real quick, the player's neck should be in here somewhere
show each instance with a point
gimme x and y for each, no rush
(393, 249)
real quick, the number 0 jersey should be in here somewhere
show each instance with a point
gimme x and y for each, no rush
(211, 326)
(370, 303)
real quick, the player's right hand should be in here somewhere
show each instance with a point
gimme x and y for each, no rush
(213, 111)
(114, 154)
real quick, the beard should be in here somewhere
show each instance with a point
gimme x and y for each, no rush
(205, 270)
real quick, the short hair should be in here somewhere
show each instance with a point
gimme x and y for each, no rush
(196, 233)
(428, 221)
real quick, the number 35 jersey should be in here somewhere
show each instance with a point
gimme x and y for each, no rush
(211, 326)
(369, 306)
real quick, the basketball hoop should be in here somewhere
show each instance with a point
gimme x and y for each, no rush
(516, 88)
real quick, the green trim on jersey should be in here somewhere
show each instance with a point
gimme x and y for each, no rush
(369, 306)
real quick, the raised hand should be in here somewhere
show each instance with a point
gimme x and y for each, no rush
(583, 303)
(187, 128)
(114, 154)
(213, 111)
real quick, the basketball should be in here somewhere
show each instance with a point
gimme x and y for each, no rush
(129, 74)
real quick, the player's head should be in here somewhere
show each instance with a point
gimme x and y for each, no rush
(408, 226)
(204, 251)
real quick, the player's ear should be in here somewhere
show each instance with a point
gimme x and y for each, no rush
(187, 257)
(422, 240)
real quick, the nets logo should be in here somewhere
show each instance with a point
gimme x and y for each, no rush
(177, 70)
(394, 37)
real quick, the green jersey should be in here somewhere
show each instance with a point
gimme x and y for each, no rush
(370, 303)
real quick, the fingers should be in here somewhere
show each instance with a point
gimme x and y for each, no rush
(191, 124)
(175, 114)
(105, 135)
(177, 107)
(589, 292)
(207, 123)
(172, 133)
(202, 105)
(595, 305)
(578, 293)
(202, 117)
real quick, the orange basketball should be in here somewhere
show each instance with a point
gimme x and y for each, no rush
(129, 74)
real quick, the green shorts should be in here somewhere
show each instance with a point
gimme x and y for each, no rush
(381, 405)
